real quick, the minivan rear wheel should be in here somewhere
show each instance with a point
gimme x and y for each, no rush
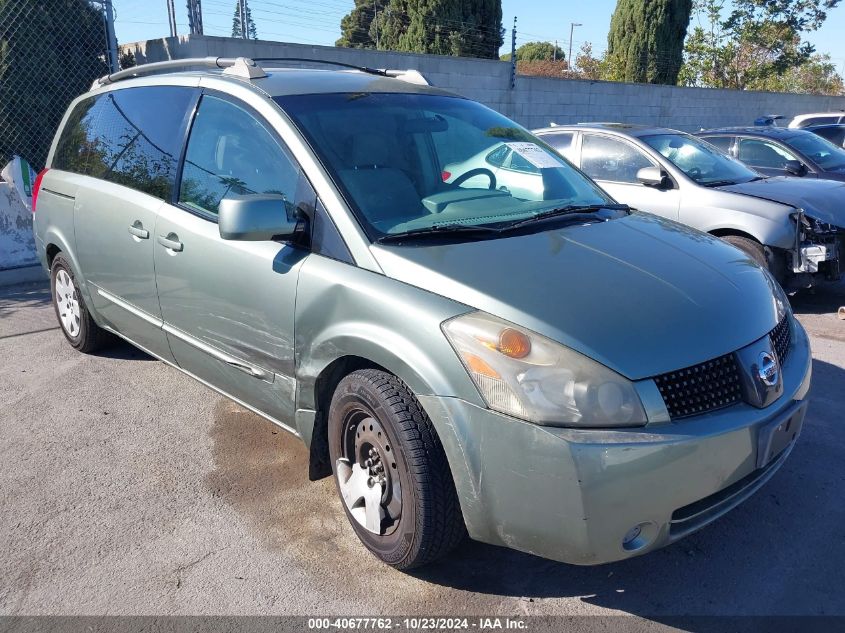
(391, 472)
(76, 322)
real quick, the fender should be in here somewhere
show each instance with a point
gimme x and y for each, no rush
(56, 236)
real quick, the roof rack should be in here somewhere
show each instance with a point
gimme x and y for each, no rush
(236, 66)
(248, 68)
(409, 75)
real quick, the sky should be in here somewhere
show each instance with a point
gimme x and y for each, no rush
(317, 22)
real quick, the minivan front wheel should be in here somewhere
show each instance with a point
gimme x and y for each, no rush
(391, 472)
(76, 322)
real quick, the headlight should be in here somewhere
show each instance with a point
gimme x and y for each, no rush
(781, 302)
(526, 375)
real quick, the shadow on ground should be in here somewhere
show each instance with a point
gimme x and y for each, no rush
(823, 300)
(15, 298)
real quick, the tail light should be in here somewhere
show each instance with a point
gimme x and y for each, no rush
(445, 175)
(37, 185)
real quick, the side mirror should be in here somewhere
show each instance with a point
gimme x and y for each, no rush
(255, 218)
(795, 167)
(653, 177)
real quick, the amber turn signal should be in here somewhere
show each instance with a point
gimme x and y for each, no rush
(514, 343)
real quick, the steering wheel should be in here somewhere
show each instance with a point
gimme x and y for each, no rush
(478, 171)
(694, 173)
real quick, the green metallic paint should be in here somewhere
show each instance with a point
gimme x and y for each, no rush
(592, 287)
(571, 495)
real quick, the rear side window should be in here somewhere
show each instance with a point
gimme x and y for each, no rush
(129, 137)
(722, 142)
(561, 141)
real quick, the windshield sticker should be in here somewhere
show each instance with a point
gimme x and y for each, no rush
(535, 155)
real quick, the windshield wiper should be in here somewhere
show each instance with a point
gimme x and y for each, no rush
(577, 211)
(438, 230)
(718, 183)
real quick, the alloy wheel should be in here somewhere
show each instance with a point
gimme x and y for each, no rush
(67, 303)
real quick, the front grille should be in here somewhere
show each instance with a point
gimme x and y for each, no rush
(781, 337)
(700, 388)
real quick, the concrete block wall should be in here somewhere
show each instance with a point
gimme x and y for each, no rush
(535, 101)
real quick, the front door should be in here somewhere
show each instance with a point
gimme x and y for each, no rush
(614, 163)
(132, 140)
(228, 306)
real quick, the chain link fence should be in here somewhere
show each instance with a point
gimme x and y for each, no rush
(50, 52)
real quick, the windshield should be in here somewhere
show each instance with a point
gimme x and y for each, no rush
(410, 162)
(819, 150)
(699, 160)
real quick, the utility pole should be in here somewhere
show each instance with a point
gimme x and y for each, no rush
(114, 64)
(171, 17)
(554, 52)
(572, 26)
(513, 54)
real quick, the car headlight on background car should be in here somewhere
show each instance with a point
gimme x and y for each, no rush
(529, 376)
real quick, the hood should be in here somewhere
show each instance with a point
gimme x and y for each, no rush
(819, 198)
(640, 294)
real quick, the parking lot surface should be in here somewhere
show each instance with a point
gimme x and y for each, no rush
(128, 488)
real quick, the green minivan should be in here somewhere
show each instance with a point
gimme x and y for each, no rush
(543, 369)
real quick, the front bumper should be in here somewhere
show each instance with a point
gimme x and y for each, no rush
(573, 495)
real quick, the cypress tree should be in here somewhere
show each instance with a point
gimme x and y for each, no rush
(646, 39)
(472, 28)
(251, 31)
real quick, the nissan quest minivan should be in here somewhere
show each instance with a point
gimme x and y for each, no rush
(542, 369)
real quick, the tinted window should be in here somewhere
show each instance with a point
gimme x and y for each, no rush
(76, 139)
(760, 153)
(230, 153)
(129, 136)
(835, 135)
(822, 152)
(604, 158)
(722, 142)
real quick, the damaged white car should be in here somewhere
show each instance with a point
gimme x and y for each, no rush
(794, 227)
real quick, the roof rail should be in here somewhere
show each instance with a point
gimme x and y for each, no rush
(410, 75)
(235, 66)
(249, 69)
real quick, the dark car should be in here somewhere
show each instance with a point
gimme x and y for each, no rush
(776, 151)
(834, 132)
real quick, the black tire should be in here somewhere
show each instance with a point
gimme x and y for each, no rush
(430, 523)
(88, 337)
(750, 247)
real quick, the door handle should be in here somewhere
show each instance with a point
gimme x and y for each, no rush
(171, 241)
(137, 229)
(247, 369)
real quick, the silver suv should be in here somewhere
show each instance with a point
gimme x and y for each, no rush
(547, 371)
